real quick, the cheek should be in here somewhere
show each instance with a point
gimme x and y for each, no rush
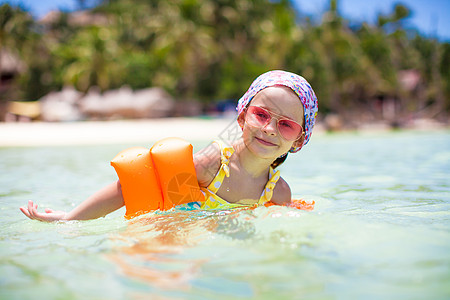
(286, 146)
(248, 131)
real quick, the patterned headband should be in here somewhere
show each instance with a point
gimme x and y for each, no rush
(296, 83)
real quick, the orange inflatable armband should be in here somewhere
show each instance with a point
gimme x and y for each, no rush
(159, 178)
(137, 176)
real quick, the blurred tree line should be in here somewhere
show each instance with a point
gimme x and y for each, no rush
(212, 50)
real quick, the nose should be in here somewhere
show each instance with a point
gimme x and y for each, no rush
(271, 127)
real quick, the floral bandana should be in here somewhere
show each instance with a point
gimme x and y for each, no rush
(296, 83)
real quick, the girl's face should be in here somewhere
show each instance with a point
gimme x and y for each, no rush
(266, 141)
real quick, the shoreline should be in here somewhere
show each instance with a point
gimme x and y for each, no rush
(149, 130)
(109, 132)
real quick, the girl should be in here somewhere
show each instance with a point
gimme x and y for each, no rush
(276, 115)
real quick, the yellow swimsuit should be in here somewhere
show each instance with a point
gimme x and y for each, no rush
(213, 201)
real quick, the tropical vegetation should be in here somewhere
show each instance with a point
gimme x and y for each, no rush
(211, 50)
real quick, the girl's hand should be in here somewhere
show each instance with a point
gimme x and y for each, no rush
(49, 216)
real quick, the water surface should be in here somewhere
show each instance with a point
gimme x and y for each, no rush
(380, 229)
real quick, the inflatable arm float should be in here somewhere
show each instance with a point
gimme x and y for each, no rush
(159, 178)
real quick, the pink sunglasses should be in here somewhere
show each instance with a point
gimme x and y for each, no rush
(259, 117)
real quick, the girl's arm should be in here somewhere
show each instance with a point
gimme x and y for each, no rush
(207, 163)
(103, 202)
(282, 193)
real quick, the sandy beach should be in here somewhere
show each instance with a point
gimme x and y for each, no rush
(115, 132)
(150, 130)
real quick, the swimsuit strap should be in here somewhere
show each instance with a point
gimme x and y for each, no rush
(266, 195)
(225, 154)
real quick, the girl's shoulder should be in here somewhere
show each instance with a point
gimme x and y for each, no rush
(281, 193)
(207, 163)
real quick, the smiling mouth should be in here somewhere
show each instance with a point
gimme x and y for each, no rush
(266, 143)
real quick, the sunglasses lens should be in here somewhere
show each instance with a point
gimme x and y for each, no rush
(290, 130)
(257, 116)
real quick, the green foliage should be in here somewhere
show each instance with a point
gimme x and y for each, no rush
(212, 50)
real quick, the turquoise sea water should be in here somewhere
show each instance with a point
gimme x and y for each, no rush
(380, 229)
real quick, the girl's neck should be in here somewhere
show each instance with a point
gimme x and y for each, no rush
(255, 166)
